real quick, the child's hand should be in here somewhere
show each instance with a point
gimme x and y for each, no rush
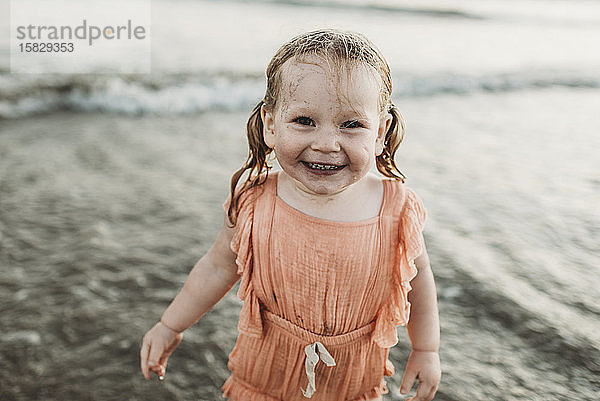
(157, 345)
(424, 366)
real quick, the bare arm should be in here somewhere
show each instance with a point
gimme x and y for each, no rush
(423, 327)
(210, 279)
(424, 331)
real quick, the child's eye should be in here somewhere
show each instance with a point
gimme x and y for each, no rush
(352, 124)
(304, 121)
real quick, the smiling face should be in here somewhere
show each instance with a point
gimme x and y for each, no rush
(326, 127)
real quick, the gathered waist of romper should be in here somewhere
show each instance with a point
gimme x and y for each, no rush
(308, 336)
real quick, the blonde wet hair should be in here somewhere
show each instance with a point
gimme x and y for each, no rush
(344, 51)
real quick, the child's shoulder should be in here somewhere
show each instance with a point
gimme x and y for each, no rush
(246, 192)
(401, 194)
(393, 186)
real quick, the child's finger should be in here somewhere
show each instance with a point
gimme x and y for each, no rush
(408, 380)
(159, 370)
(425, 391)
(144, 352)
(154, 358)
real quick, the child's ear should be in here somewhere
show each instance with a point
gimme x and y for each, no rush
(268, 127)
(384, 126)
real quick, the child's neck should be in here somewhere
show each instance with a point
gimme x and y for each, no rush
(361, 201)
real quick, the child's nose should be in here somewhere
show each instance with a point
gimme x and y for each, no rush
(326, 141)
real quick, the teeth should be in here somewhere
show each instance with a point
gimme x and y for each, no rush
(323, 166)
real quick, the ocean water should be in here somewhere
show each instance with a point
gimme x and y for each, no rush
(111, 188)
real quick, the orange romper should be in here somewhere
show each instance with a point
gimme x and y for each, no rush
(319, 293)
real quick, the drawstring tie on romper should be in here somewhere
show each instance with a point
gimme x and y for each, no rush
(315, 352)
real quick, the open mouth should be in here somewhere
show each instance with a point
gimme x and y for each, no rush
(324, 167)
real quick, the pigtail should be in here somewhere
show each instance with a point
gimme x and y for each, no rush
(255, 164)
(393, 137)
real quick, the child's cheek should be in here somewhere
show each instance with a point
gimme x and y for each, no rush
(362, 157)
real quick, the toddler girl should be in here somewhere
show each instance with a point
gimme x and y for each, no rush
(327, 251)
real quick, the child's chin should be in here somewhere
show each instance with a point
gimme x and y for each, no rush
(325, 188)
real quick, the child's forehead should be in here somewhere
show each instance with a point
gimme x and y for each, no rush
(324, 74)
(321, 65)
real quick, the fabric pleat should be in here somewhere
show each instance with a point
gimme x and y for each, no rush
(411, 244)
(241, 244)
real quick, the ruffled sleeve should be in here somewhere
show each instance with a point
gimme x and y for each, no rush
(410, 246)
(250, 322)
